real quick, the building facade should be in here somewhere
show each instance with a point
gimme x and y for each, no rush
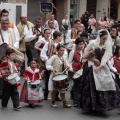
(96, 7)
(15, 8)
(73, 8)
(62, 7)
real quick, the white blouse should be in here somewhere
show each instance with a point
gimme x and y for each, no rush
(71, 55)
(111, 65)
(39, 42)
(12, 66)
(92, 22)
(30, 36)
(49, 64)
(93, 44)
(43, 54)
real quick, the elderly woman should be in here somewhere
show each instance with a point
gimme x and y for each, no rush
(98, 91)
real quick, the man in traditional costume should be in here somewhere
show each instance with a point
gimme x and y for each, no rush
(9, 36)
(5, 13)
(34, 34)
(23, 28)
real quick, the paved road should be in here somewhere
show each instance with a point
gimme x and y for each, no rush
(44, 111)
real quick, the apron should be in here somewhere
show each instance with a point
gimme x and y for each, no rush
(35, 93)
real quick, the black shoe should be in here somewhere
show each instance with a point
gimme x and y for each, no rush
(71, 94)
(0, 96)
(31, 105)
(57, 99)
(21, 74)
(46, 98)
(71, 97)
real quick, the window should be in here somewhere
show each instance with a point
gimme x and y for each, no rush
(16, 1)
(74, 10)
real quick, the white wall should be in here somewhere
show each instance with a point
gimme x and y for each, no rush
(102, 6)
(12, 10)
(68, 7)
(82, 7)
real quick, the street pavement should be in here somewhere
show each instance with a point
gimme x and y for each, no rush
(44, 111)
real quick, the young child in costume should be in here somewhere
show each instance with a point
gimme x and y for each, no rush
(57, 63)
(114, 64)
(9, 68)
(32, 89)
(75, 60)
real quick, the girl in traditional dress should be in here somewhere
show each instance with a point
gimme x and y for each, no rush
(98, 91)
(32, 91)
(114, 64)
(41, 42)
(75, 59)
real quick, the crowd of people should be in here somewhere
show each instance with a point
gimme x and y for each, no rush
(88, 54)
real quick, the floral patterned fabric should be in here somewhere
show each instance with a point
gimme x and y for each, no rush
(24, 96)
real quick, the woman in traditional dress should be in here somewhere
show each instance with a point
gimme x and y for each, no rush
(98, 91)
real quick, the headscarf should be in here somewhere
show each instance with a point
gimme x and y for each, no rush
(107, 46)
(108, 42)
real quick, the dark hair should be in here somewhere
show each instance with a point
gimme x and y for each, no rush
(4, 11)
(84, 34)
(33, 59)
(46, 30)
(9, 51)
(56, 34)
(78, 31)
(114, 26)
(38, 18)
(50, 21)
(116, 53)
(78, 40)
(76, 21)
(102, 33)
(113, 37)
(118, 25)
(59, 46)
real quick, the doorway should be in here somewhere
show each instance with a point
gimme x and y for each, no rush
(114, 9)
(18, 13)
(91, 6)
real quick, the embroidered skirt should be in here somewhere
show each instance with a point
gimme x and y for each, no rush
(27, 95)
(88, 98)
